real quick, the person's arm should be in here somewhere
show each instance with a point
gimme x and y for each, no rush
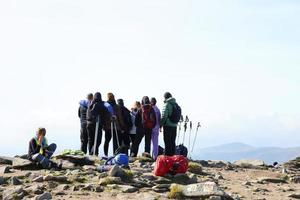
(33, 148)
(138, 118)
(165, 115)
(154, 115)
(79, 114)
(120, 119)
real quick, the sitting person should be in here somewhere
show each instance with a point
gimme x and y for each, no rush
(39, 150)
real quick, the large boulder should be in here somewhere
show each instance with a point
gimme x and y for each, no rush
(4, 160)
(76, 159)
(293, 165)
(250, 163)
(14, 193)
(20, 163)
(204, 190)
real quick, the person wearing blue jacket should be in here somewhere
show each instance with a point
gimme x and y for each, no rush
(82, 110)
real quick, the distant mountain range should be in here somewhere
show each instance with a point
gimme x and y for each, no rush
(236, 151)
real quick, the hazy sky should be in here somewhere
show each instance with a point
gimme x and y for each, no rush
(233, 65)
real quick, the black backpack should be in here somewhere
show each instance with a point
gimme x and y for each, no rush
(181, 150)
(176, 114)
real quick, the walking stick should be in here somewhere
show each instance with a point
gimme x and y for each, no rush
(185, 127)
(96, 135)
(191, 127)
(179, 131)
(198, 126)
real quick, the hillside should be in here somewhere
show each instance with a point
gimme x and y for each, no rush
(236, 151)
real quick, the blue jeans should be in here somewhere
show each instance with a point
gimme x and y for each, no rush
(45, 160)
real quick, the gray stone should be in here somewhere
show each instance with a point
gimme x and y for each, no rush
(161, 188)
(295, 179)
(77, 159)
(35, 189)
(215, 198)
(271, 180)
(116, 171)
(68, 165)
(45, 196)
(148, 176)
(4, 160)
(14, 193)
(2, 180)
(15, 181)
(162, 180)
(99, 189)
(20, 163)
(247, 183)
(250, 163)
(110, 180)
(52, 184)
(61, 179)
(202, 190)
(38, 179)
(128, 189)
(295, 196)
(4, 169)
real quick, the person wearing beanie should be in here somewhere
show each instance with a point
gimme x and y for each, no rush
(117, 121)
(169, 127)
(95, 114)
(82, 110)
(155, 130)
(133, 113)
(145, 121)
(127, 122)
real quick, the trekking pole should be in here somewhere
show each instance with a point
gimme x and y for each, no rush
(198, 126)
(180, 122)
(185, 127)
(191, 127)
(116, 133)
(96, 136)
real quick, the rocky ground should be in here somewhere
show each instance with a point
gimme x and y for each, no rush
(214, 180)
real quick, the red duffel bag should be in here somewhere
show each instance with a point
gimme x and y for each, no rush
(170, 164)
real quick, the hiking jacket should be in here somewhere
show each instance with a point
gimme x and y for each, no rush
(35, 147)
(133, 129)
(167, 112)
(158, 116)
(116, 114)
(82, 110)
(97, 109)
(138, 118)
(126, 118)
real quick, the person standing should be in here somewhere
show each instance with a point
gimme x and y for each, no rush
(134, 110)
(169, 125)
(127, 122)
(96, 113)
(145, 121)
(116, 120)
(82, 111)
(155, 130)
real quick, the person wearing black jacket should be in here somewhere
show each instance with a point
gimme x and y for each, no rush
(127, 122)
(82, 112)
(39, 151)
(96, 113)
(145, 121)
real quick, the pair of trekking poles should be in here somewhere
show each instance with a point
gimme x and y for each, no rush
(186, 121)
(113, 128)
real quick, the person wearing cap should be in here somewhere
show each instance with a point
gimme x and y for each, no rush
(39, 151)
(169, 127)
(82, 110)
(155, 130)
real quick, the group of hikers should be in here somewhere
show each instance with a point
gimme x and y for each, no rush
(126, 128)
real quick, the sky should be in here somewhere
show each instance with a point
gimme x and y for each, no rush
(232, 65)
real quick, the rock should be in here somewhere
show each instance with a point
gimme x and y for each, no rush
(293, 165)
(161, 188)
(215, 198)
(99, 189)
(182, 179)
(116, 171)
(89, 167)
(162, 180)
(35, 189)
(203, 190)
(4, 160)
(110, 180)
(45, 196)
(128, 189)
(20, 163)
(195, 168)
(250, 163)
(219, 176)
(217, 164)
(38, 179)
(103, 175)
(76, 159)
(60, 193)
(14, 193)
(61, 179)
(295, 196)
(2, 180)
(15, 181)
(247, 183)
(295, 179)
(88, 187)
(4, 169)
(148, 176)
(271, 180)
(52, 184)
(68, 165)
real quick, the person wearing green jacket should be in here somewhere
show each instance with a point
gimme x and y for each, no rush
(169, 127)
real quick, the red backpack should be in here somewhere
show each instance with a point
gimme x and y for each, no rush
(176, 164)
(148, 117)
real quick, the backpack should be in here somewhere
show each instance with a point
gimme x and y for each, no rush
(148, 117)
(120, 159)
(176, 114)
(170, 164)
(181, 150)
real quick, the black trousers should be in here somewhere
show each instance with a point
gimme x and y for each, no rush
(83, 137)
(132, 138)
(91, 128)
(138, 138)
(108, 136)
(170, 140)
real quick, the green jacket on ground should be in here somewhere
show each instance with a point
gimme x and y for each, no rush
(166, 113)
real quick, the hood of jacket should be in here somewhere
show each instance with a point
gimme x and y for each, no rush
(84, 103)
(171, 100)
(145, 101)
